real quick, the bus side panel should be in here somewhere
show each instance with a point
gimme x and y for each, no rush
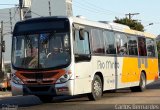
(82, 71)
(131, 70)
(152, 70)
(106, 66)
(128, 72)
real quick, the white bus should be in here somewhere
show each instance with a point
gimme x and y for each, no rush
(54, 56)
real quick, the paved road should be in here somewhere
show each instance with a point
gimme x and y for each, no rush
(122, 99)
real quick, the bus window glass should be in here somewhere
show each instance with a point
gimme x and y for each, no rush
(121, 41)
(109, 42)
(81, 46)
(41, 51)
(97, 41)
(132, 45)
(150, 47)
(19, 52)
(142, 46)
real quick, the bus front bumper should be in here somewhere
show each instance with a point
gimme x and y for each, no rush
(52, 90)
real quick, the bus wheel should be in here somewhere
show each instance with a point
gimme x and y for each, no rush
(97, 89)
(46, 99)
(142, 84)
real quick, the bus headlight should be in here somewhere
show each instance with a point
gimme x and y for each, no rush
(64, 78)
(16, 80)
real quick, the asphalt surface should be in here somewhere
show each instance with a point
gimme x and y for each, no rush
(109, 101)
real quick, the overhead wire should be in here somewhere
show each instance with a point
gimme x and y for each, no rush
(94, 7)
(12, 16)
(6, 23)
(36, 14)
(90, 10)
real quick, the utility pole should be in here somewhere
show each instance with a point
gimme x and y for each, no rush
(21, 9)
(1, 46)
(131, 14)
(10, 14)
(49, 3)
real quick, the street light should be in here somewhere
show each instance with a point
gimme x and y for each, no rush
(149, 24)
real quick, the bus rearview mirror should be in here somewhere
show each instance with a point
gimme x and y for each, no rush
(81, 34)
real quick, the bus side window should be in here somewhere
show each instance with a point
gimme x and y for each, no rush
(97, 42)
(142, 46)
(109, 40)
(132, 45)
(150, 47)
(121, 41)
(81, 46)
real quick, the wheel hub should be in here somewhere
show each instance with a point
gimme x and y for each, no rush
(97, 88)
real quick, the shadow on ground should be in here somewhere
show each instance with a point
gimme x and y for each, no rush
(25, 101)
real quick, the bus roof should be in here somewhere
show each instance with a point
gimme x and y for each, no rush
(111, 26)
(100, 24)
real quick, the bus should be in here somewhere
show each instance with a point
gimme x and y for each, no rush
(67, 56)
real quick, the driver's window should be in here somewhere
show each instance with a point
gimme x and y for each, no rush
(81, 46)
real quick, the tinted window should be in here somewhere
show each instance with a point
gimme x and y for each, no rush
(41, 51)
(97, 41)
(150, 47)
(121, 41)
(41, 25)
(109, 42)
(132, 45)
(142, 46)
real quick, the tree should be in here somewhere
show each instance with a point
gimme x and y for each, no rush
(133, 24)
(158, 49)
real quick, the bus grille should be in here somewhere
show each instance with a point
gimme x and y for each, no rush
(39, 78)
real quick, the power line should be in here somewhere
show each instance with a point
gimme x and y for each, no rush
(12, 17)
(25, 14)
(95, 7)
(91, 11)
(88, 9)
(36, 14)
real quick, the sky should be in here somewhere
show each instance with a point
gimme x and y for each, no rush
(107, 10)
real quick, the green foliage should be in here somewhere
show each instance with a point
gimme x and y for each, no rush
(133, 24)
(158, 49)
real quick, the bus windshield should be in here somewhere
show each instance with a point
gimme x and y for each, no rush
(41, 51)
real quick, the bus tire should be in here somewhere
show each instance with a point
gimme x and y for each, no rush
(97, 89)
(142, 84)
(46, 99)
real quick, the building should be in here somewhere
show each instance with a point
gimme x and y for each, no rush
(51, 8)
(31, 9)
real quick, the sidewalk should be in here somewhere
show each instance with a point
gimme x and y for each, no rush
(5, 94)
